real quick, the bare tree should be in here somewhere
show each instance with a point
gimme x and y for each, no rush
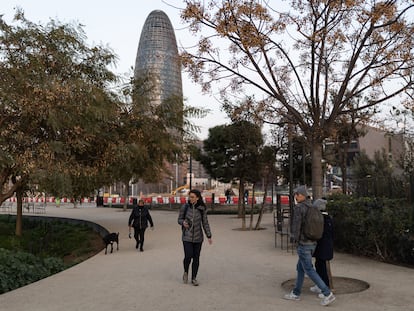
(306, 62)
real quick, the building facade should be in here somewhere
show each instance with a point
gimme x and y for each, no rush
(158, 60)
(157, 56)
(372, 140)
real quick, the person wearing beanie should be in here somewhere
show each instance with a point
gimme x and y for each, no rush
(302, 191)
(324, 247)
(305, 249)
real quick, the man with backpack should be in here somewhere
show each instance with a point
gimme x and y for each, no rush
(305, 248)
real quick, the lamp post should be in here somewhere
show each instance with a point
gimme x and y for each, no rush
(191, 172)
(304, 163)
(323, 161)
(290, 150)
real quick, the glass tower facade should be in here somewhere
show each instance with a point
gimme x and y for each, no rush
(158, 56)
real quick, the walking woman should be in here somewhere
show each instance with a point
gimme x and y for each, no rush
(324, 248)
(193, 219)
(139, 219)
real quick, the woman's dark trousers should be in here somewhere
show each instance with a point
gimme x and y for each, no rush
(139, 237)
(192, 251)
(320, 266)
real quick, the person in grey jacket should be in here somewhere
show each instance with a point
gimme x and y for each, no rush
(305, 249)
(193, 220)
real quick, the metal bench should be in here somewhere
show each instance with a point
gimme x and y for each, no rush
(28, 207)
(7, 206)
(40, 208)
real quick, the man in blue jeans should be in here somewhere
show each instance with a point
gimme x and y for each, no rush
(305, 249)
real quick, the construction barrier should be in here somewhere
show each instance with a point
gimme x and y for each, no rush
(151, 200)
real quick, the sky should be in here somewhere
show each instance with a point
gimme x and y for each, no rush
(118, 25)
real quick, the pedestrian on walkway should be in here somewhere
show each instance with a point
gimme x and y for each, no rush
(139, 218)
(305, 249)
(246, 196)
(324, 247)
(228, 195)
(193, 220)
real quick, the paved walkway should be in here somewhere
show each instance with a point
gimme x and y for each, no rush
(240, 271)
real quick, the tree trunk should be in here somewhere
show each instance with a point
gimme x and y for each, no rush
(19, 213)
(242, 205)
(243, 216)
(252, 209)
(260, 216)
(344, 158)
(412, 199)
(317, 177)
(241, 199)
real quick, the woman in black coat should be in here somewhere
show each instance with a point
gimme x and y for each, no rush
(139, 219)
(324, 247)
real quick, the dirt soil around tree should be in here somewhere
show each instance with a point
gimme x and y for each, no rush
(341, 285)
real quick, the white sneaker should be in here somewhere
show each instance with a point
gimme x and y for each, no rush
(321, 296)
(315, 289)
(291, 296)
(327, 300)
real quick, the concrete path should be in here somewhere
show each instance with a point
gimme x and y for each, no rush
(240, 271)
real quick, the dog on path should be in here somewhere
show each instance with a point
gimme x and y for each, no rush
(109, 239)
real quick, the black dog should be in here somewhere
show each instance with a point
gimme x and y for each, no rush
(110, 239)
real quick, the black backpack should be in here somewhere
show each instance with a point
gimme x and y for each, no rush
(313, 223)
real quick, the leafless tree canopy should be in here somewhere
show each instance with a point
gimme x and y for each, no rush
(307, 61)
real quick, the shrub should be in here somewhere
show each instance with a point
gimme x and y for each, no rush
(20, 268)
(373, 227)
(45, 248)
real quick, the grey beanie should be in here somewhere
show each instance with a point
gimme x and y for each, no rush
(320, 204)
(301, 190)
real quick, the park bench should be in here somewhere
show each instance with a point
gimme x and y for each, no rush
(29, 207)
(40, 208)
(7, 206)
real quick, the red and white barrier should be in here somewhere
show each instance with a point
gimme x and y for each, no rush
(151, 200)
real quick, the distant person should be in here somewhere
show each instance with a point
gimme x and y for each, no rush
(139, 218)
(246, 196)
(193, 219)
(324, 247)
(228, 195)
(305, 249)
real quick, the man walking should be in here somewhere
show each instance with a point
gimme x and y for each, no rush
(305, 249)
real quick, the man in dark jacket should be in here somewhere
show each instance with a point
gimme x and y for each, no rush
(139, 219)
(305, 249)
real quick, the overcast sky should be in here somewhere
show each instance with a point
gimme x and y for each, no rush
(118, 25)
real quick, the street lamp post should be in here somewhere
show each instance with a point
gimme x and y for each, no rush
(290, 146)
(191, 172)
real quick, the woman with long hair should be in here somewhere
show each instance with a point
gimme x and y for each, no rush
(193, 220)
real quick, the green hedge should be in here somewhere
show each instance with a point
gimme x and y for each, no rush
(373, 227)
(45, 248)
(20, 268)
